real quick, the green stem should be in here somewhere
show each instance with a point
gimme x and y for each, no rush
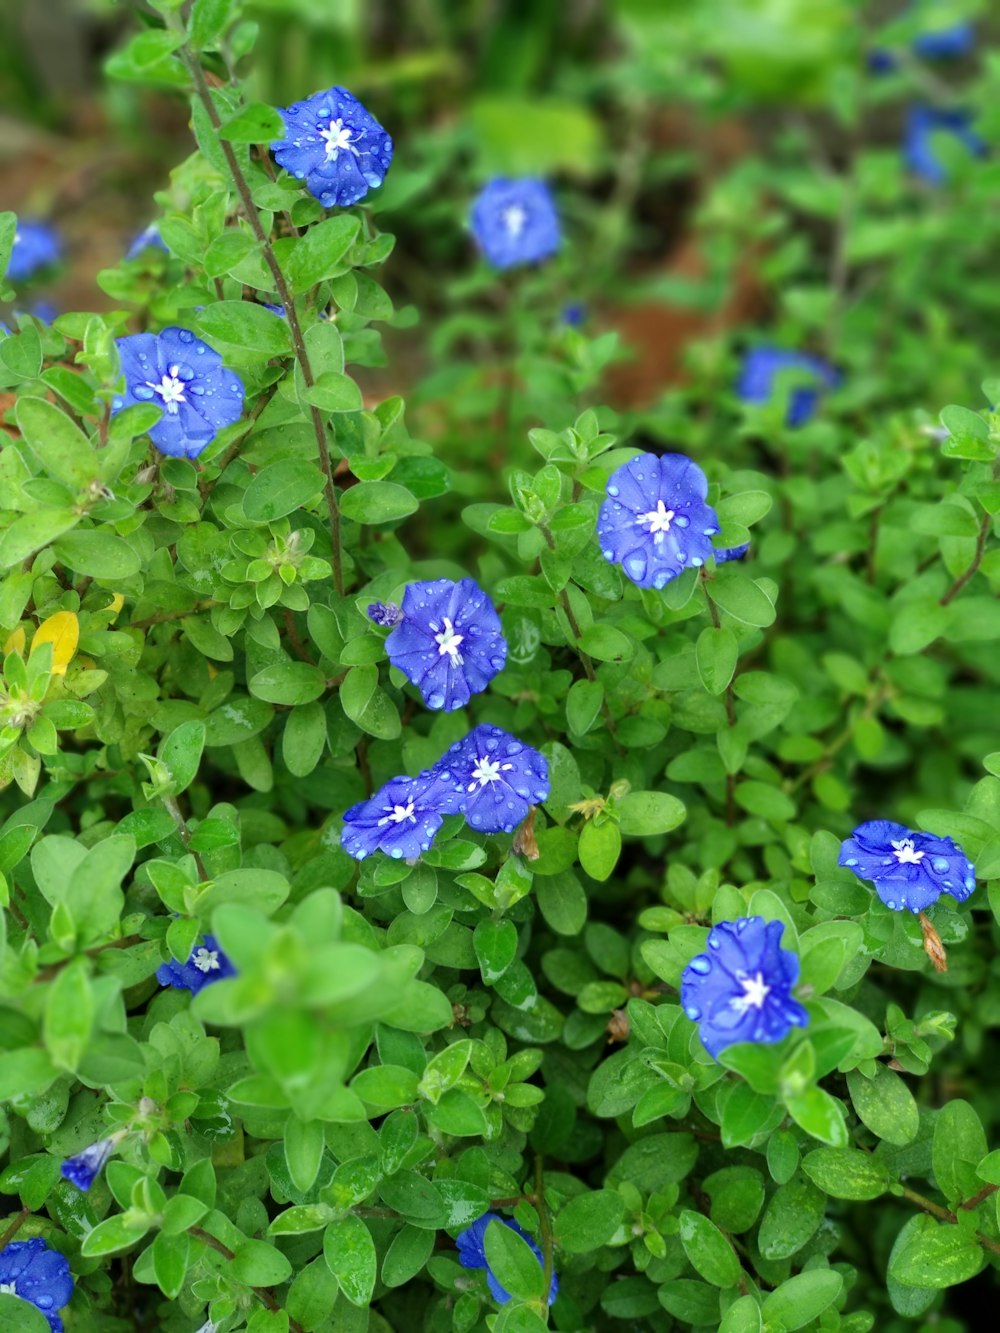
(263, 1295)
(943, 1215)
(962, 580)
(285, 295)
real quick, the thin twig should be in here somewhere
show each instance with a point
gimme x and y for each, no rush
(265, 1297)
(15, 1226)
(126, 942)
(962, 580)
(943, 1215)
(174, 811)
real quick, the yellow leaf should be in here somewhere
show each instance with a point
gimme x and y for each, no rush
(63, 632)
(15, 641)
(115, 605)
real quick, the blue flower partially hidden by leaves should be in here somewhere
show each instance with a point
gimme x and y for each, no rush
(726, 553)
(499, 776)
(335, 145)
(83, 1169)
(655, 522)
(472, 1254)
(35, 1273)
(147, 239)
(36, 246)
(910, 870)
(740, 989)
(207, 963)
(403, 817)
(923, 125)
(449, 642)
(178, 372)
(515, 222)
(762, 364)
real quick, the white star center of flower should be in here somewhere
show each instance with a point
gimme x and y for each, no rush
(171, 390)
(658, 520)
(514, 219)
(338, 139)
(8, 1288)
(755, 992)
(448, 642)
(206, 960)
(905, 853)
(401, 812)
(487, 771)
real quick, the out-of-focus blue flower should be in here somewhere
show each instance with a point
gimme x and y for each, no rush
(946, 43)
(403, 817)
(278, 310)
(449, 642)
(29, 1269)
(740, 989)
(178, 372)
(500, 777)
(730, 553)
(923, 123)
(36, 246)
(655, 522)
(762, 364)
(574, 314)
(335, 145)
(206, 964)
(515, 222)
(148, 239)
(909, 870)
(84, 1168)
(472, 1254)
(385, 614)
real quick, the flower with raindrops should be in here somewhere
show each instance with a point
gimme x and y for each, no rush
(334, 144)
(500, 777)
(910, 870)
(33, 1271)
(403, 817)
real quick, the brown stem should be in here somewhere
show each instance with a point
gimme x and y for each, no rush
(978, 1197)
(265, 1297)
(15, 1226)
(223, 462)
(174, 811)
(285, 294)
(162, 617)
(962, 580)
(943, 1215)
(126, 942)
(301, 651)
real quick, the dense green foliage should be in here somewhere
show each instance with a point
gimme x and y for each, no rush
(192, 696)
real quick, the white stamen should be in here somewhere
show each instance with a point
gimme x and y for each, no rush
(448, 642)
(8, 1288)
(514, 219)
(338, 139)
(658, 519)
(905, 853)
(206, 960)
(487, 771)
(398, 814)
(171, 390)
(756, 990)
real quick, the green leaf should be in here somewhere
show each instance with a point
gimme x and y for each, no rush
(589, 1221)
(820, 1115)
(350, 1255)
(406, 1256)
(304, 738)
(170, 1260)
(60, 446)
(288, 683)
(209, 19)
(69, 1016)
(936, 1254)
(20, 1316)
(605, 643)
(281, 488)
(885, 1104)
(304, 1145)
(246, 325)
(708, 1252)
(25, 1073)
(801, 1299)
(21, 352)
(791, 1218)
(8, 230)
(641, 813)
(583, 705)
(30, 532)
(599, 848)
(846, 1173)
(513, 1263)
(320, 252)
(736, 593)
(367, 705)
(377, 502)
(959, 1146)
(336, 392)
(259, 1264)
(716, 653)
(256, 123)
(100, 555)
(495, 943)
(181, 752)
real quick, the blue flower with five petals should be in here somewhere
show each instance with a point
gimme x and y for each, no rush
(762, 364)
(206, 964)
(472, 1254)
(448, 643)
(740, 989)
(36, 246)
(655, 522)
(403, 817)
(515, 222)
(34, 1272)
(500, 778)
(335, 145)
(910, 870)
(178, 372)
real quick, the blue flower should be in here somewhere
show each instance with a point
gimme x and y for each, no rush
(946, 43)
(36, 246)
(181, 374)
(403, 817)
(909, 870)
(29, 1269)
(472, 1254)
(84, 1168)
(148, 239)
(574, 314)
(278, 310)
(515, 222)
(500, 777)
(730, 553)
(741, 988)
(206, 964)
(449, 642)
(385, 614)
(335, 145)
(655, 522)
(762, 364)
(923, 123)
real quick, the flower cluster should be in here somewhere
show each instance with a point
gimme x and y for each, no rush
(34, 1272)
(472, 1254)
(447, 640)
(910, 870)
(207, 963)
(515, 222)
(740, 990)
(178, 372)
(655, 522)
(335, 145)
(762, 364)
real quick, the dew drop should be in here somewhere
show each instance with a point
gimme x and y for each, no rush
(701, 965)
(693, 1012)
(939, 863)
(613, 490)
